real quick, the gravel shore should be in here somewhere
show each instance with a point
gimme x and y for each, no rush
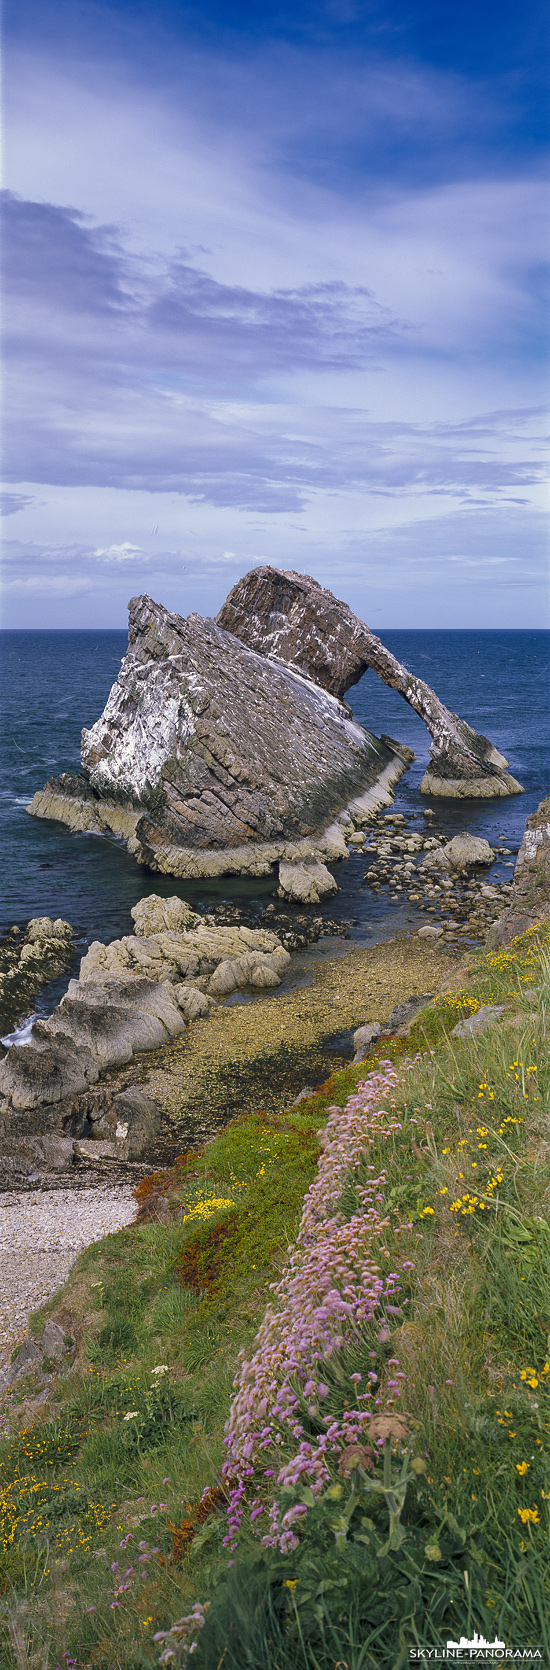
(41, 1235)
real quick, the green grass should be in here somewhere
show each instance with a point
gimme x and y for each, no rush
(470, 1172)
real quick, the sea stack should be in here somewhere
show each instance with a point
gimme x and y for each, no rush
(226, 747)
(292, 619)
(210, 759)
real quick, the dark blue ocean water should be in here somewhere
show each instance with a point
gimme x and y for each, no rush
(53, 683)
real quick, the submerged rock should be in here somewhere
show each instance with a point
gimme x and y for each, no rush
(211, 760)
(292, 619)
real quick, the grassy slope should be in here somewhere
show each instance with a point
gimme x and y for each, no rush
(131, 1451)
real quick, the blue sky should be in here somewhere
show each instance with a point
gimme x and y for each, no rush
(276, 291)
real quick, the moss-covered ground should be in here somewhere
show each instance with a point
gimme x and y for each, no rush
(112, 1505)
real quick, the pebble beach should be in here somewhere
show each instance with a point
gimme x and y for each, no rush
(42, 1235)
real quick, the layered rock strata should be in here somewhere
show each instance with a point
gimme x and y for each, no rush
(529, 902)
(29, 959)
(134, 995)
(211, 760)
(293, 620)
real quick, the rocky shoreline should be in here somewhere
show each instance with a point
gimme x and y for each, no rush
(61, 1100)
(226, 747)
(257, 1054)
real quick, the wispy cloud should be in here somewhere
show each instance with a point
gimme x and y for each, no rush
(273, 297)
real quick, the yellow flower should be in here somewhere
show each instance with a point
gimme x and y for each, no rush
(529, 1516)
(522, 1467)
(290, 1582)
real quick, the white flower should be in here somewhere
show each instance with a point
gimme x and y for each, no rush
(130, 1415)
(161, 1368)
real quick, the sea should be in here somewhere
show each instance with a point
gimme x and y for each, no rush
(55, 682)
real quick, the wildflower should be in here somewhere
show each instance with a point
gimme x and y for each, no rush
(130, 1417)
(162, 1368)
(522, 1467)
(529, 1516)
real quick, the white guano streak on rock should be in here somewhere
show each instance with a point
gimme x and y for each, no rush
(323, 701)
(162, 720)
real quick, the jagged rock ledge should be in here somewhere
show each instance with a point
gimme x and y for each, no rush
(530, 900)
(136, 994)
(29, 959)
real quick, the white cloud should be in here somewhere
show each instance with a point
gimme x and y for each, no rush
(121, 553)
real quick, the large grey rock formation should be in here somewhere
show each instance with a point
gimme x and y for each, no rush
(530, 900)
(211, 760)
(292, 619)
(130, 997)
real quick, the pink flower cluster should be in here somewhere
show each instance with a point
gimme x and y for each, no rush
(332, 1287)
(182, 1639)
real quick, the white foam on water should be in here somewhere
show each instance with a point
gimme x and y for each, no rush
(22, 1033)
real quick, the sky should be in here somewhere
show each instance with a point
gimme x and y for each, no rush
(275, 283)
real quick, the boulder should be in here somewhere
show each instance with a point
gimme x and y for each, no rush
(136, 1121)
(479, 1022)
(403, 1014)
(292, 619)
(54, 1153)
(53, 1342)
(50, 1069)
(464, 851)
(43, 928)
(154, 916)
(116, 1019)
(252, 969)
(193, 1003)
(204, 790)
(431, 931)
(363, 1037)
(97, 1152)
(307, 882)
